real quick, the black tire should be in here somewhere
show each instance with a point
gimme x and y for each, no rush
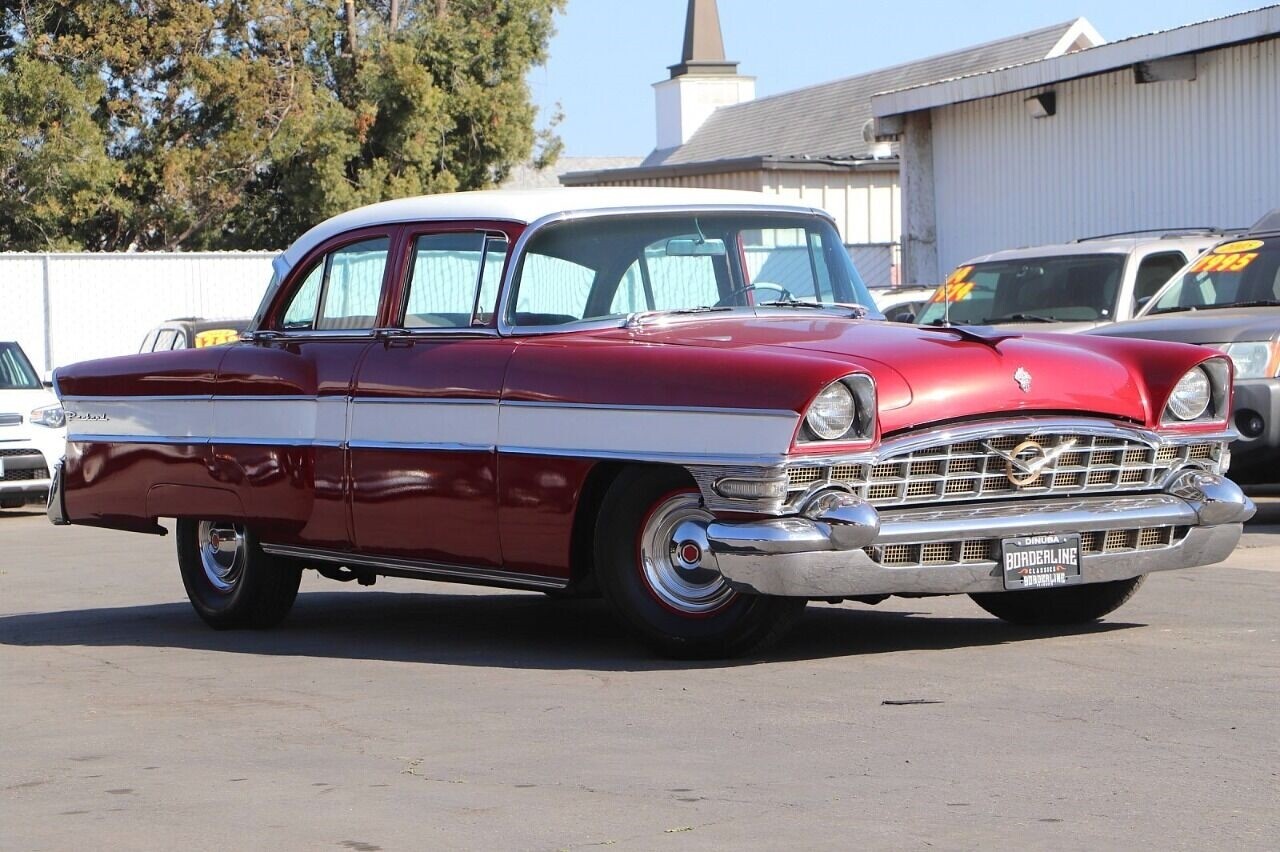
(259, 595)
(735, 624)
(1070, 605)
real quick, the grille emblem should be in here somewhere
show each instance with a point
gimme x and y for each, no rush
(1023, 378)
(1029, 460)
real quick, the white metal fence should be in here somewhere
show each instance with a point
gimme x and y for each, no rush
(64, 308)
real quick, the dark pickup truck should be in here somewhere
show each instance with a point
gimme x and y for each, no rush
(1229, 299)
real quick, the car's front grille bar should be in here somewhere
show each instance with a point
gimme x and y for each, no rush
(987, 550)
(982, 469)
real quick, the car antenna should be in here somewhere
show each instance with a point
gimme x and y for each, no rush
(946, 302)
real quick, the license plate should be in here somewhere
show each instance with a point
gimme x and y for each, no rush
(1042, 561)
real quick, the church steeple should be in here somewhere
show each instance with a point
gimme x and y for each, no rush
(703, 82)
(703, 42)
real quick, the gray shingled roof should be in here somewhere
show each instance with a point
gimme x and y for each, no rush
(826, 121)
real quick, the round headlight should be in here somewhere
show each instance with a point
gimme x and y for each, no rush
(832, 413)
(1190, 397)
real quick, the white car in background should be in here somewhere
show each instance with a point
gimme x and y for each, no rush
(32, 431)
(1068, 287)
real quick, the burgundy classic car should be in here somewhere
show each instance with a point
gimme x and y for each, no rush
(680, 399)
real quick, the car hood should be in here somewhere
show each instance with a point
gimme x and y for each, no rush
(927, 375)
(1220, 325)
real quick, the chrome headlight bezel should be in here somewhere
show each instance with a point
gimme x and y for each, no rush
(1206, 406)
(49, 416)
(861, 393)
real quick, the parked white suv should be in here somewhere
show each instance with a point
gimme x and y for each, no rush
(32, 430)
(1068, 287)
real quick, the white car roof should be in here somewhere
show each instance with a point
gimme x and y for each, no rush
(1109, 245)
(524, 206)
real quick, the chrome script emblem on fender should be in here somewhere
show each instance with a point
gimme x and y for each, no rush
(1031, 459)
(1023, 378)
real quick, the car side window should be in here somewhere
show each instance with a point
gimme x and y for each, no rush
(353, 286)
(341, 291)
(301, 313)
(1153, 272)
(453, 282)
(164, 340)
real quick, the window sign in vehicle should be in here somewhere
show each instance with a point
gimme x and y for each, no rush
(1071, 288)
(1243, 273)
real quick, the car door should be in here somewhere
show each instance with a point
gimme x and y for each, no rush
(424, 415)
(283, 399)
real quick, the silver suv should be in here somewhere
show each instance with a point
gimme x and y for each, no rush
(1073, 286)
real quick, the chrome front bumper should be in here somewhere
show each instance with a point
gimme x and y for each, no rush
(819, 552)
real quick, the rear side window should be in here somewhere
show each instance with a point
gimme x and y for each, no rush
(453, 282)
(341, 292)
(1152, 274)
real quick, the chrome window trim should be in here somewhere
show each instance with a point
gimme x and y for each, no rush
(508, 329)
(411, 241)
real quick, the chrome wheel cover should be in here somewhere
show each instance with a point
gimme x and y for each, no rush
(222, 553)
(673, 544)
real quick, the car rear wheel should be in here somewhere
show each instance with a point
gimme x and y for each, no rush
(1070, 605)
(651, 549)
(230, 581)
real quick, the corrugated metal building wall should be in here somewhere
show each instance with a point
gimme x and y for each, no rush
(64, 308)
(1117, 156)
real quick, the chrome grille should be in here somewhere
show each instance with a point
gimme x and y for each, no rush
(10, 419)
(979, 550)
(973, 470)
(14, 454)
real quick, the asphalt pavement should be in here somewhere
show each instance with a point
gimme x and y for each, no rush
(427, 716)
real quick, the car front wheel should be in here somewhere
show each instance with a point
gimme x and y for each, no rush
(651, 565)
(230, 581)
(1070, 605)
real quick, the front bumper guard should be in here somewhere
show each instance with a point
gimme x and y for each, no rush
(56, 509)
(819, 552)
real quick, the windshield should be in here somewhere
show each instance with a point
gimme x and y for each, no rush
(1067, 288)
(15, 370)
(1239, 273)
(611, 267)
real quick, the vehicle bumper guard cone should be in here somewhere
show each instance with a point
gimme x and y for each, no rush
(56, 508)
(819, 552)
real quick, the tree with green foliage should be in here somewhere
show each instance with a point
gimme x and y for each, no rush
(192, 124)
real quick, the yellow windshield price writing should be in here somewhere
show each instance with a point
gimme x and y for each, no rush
(956, 289)
(1224, 262)
(216, 337)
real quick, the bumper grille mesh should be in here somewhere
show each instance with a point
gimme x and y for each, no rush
(976, 470)
(979, 550)
(28, 475)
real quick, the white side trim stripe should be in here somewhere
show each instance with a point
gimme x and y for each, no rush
(438, 424)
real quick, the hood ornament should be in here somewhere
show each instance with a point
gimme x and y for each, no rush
(1023, 378)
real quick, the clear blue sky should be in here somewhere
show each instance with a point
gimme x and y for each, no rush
(608, 52)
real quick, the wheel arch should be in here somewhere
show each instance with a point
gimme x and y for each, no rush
(587, 514)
